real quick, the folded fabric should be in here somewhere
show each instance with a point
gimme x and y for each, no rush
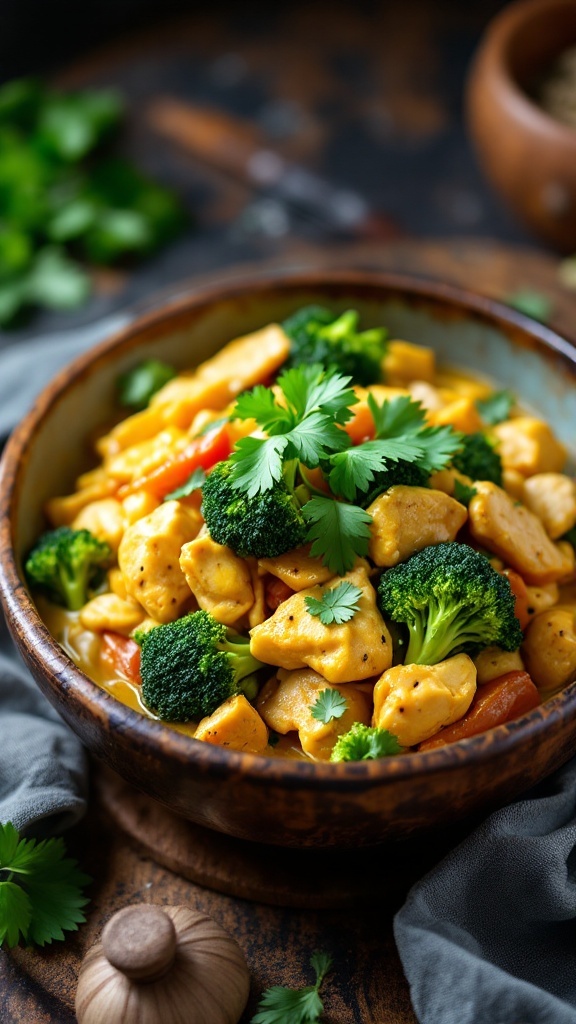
(43, 767)
(489, 936)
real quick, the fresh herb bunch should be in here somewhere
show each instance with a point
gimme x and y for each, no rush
(63, 197)
(303, 417)
(40, 889)
(280, 1005)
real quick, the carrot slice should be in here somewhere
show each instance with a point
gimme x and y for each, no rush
(202, 453)
(507, 697)
(122, 655)
(521, 597)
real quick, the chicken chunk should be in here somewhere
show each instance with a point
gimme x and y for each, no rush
(552, 497)
(239, 365)
(297, 569)
(529, 446)
(493, 662)
(549, 649)
(516, 535)
(149, 558)
(218, 578)
(105, 519)
(407, 519)
(235, 725)
(109, 611)
(404, 362)
(134, 462)
(294, 638)
(461, 413)
(286, 703)
(414, 701)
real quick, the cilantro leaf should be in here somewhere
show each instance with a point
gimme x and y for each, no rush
(193, 483)
(365, 743)
(311, 440)
(496, 408)
(257, 463)
(137, 386)
(353, 470)
(330, 704)
(42, 896)
(338, 604)
(397, 416)
(531, 303)
(339, 533)
(279, 1005)
(439, 444)
(260, 404)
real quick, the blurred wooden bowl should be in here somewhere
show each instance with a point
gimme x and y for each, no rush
(528, 155)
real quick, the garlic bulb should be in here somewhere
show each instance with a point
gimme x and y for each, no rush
(162, 964)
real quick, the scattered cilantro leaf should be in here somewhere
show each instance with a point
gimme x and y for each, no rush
(137, 386)
(531, 303)
(496, 408)
(337, 605)
(260, 404)
(397, 417)
(364, 743)
(439, 444)
(212, 425)
(279, 1005)
(463, 492)
(330, 704)
(340, 533)
(40, 889)
(257, 463)
(193, 483)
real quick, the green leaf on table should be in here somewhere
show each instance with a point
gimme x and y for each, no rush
(72, 220)
(71, 125)
(40, 889)
(56, 281)
(279, 1005)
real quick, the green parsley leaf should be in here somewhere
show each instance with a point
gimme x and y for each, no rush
(138, 385)
(439, 445)
(496, 408)
(330, 704)
(260, 404)
(339, 533)
(397, 417)
(279, 1005)
(531, 303)
(40, 889)
(193, 483)
(353, 470)
(337, 605)
(364, 743)
(463, 492)
(257, 463)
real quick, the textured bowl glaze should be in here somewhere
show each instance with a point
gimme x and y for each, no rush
(258, 798)
(528, 155)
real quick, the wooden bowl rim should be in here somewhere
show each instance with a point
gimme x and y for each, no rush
(494, 53)
(153, 738)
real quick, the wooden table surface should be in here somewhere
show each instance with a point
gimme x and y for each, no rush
(369, 96)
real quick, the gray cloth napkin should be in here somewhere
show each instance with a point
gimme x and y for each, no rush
(489, 936)
(43, 768)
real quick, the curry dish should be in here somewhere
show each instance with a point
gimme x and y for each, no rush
(318, 544)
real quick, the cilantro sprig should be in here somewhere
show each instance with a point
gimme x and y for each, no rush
(302, 418)
(496, 408)
(329, 704)
(40, 889)
(280, 1005)
(337, 605)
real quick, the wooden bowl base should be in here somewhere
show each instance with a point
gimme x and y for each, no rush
(277, 876)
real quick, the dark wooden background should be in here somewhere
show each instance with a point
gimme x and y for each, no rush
(370, 97)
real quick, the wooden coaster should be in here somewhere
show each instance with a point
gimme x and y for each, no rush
(277, 876)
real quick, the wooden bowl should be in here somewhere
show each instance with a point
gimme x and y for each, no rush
(283, 802)
(529, 156)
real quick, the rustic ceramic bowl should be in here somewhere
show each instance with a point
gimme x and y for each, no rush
(259, 798)
(529, 156)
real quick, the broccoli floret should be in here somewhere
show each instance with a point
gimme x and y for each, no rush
(190, 666)
(318, 336)
(400, 472)
(364, 743)
(264, 526)
(478, 459)
(452, 601)
(137, 386)
(65, 564)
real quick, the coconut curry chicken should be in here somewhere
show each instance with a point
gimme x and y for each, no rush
(317, 544)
